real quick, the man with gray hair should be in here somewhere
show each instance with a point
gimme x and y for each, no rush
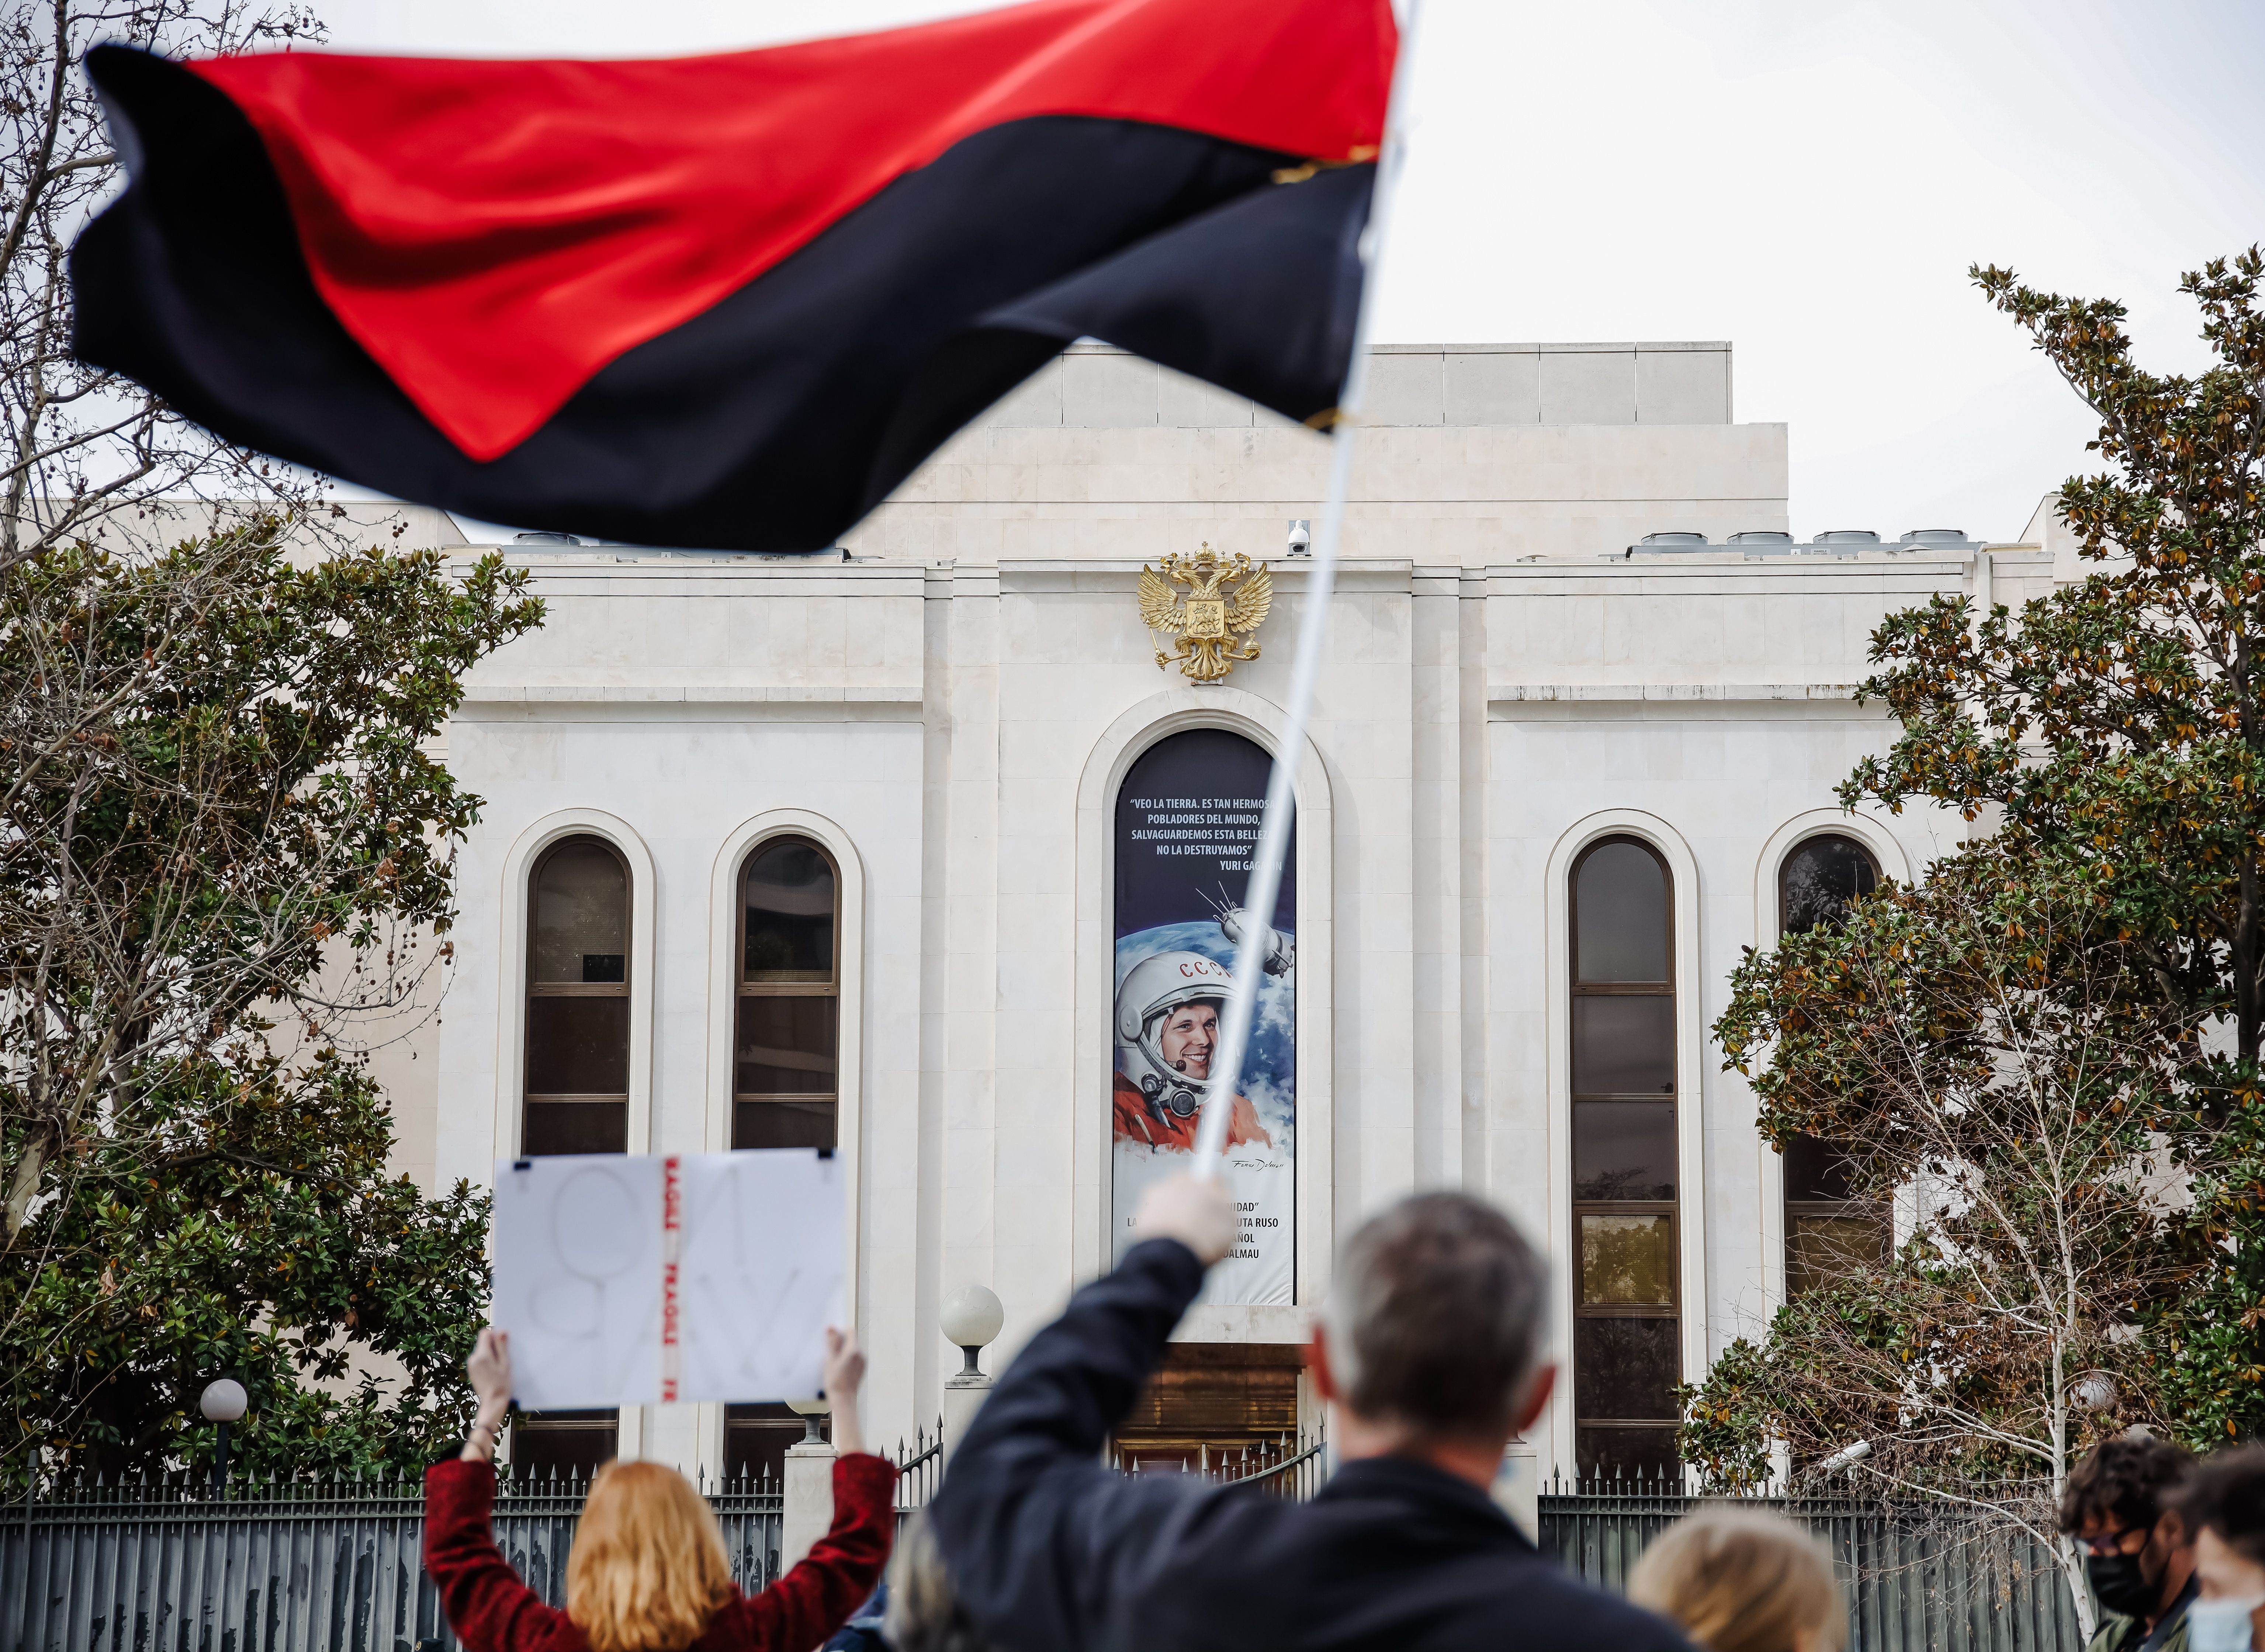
(1430, 1357)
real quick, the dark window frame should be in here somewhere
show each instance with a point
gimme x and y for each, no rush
(743, 989)
(1671, 1311)
(537, 1438)
(1875, 1212)
(535, 989)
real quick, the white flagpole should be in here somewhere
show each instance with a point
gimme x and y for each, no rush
(1313, 631)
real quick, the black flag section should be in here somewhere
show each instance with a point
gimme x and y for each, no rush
(777, 418)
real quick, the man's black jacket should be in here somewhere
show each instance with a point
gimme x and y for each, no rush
(1054, 1553)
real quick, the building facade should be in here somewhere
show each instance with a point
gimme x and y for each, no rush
(865, 848)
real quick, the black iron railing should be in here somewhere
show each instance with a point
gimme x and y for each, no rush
(287, 1566)
(1966, 1573)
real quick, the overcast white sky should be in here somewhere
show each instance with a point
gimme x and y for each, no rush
(1808, 178)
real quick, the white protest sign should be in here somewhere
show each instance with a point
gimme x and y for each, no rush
(629, 1281)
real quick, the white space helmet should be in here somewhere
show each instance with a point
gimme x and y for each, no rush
(1151, 990)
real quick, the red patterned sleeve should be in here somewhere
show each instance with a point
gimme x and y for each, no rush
(819, 1592)
(488, 1606)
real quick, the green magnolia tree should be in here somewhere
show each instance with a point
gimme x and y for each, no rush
(1998, 1093)
(224, 841)
(2046, 1055)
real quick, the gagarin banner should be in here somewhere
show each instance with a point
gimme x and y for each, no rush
(1187, 827)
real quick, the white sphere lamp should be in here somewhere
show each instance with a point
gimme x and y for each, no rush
(224, 1400)
(971, 1320)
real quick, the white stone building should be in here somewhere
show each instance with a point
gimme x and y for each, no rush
(939, 718)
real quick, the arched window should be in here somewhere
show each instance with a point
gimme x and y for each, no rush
(786, 1046)
(1825, 1230)
(1818, 881)
(577, 1097)
(1626, 1346)
(577, 1001)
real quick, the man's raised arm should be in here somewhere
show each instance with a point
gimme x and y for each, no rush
(1037, 1536)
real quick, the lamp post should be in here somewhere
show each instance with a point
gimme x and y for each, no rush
(222, 1402)
(970, 1320)
(810, 1411)
(807, 1505)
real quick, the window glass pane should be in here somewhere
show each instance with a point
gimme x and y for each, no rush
(1820, 879)
(1624, 1046)
(1623, 1150)
(578, 1046)
(789, 915)
(803, 1124)
(1627, 1261)
(1819, 1248)
(581, 914)
(786, 1046)
(561, 1445)
(1625, 1453)
(1619, 915)
(1817, 1169)
(575, 1127)
(1626, 1368)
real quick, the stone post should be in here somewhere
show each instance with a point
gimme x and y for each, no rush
(963, 1394)
(808, 1487)
(1518, 1486)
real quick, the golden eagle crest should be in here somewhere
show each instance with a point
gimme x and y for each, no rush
(1207, 622)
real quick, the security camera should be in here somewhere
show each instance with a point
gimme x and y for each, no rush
(1301, 536)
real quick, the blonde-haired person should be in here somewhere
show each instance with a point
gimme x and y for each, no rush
(1741, 1581)
(648, 1572)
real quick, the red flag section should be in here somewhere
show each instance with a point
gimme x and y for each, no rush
(494, 234)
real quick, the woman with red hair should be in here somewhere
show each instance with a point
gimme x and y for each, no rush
(648, 1572)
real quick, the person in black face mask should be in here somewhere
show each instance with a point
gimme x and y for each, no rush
(2138, 1552)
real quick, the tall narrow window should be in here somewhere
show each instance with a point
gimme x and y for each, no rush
(1626, 1346)
(577, 1078)
(786, 1057)
(1826, 1230)
(577, 1001)
(786, 1052)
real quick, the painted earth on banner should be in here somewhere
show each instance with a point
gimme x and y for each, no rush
(1187, 826)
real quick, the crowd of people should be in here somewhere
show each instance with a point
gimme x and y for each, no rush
(1431, 1353)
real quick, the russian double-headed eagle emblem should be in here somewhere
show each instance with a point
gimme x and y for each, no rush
(1226, 601)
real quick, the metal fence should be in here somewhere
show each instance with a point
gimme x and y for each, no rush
(300, 1566)
(1292, 1465)
(920, 1467)
(335, 1567)
(1921, 1576)
(285, 1565)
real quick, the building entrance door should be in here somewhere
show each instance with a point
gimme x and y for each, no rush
(1213, 1402)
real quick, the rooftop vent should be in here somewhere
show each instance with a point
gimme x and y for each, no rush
(1671, 544)
(1847, 536)
(544, 539)
(1761, 536)
(1935, 536)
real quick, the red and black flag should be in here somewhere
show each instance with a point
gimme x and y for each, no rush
(731, 301)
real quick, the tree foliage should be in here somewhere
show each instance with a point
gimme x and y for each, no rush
(2116, 724)
(2045, 1055)
(222, 834)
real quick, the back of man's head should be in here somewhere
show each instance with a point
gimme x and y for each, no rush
(1436, 1322)
(2124, 1484)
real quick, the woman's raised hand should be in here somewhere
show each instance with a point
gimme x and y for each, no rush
(844, 1375)
(490, 1370)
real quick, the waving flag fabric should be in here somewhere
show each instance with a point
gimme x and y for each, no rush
(731, 301)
